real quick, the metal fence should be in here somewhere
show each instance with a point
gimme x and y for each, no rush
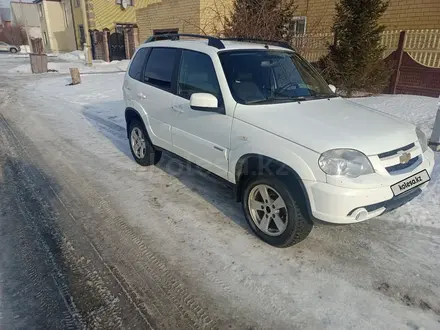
(422, 45)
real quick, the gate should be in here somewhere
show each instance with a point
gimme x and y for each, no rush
(117, 47)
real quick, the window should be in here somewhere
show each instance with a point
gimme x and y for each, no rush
(300, 25)
(137, 63)
(3, 43)
(127, 2)
(197, 75)
(82, 35)
(160, 65)
(77, 3)
(164, 32)
(267, 77)
(45, 38)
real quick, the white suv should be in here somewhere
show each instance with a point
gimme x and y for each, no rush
(262, 118)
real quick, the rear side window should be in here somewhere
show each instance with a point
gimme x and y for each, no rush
(197, 75)
(160, 65)
(137, 64)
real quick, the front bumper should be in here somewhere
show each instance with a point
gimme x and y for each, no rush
(340, 205)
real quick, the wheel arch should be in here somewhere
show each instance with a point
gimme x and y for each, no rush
(131, 114)
(252, 163)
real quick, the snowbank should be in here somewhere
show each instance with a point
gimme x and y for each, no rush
(421, 111)
(25, 49)
(77, 55)
(63, 67)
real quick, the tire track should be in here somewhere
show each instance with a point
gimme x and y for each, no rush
(100, 308)
(186, 311)
(34, 246)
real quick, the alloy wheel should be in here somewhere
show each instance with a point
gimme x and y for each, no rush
(268, 210)
(138, 143)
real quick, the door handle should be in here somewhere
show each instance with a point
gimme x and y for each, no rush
(177, 109)
(142, 95)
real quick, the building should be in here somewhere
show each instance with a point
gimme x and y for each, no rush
(25, 14)
(5, 12)
(188, 16)
(112, 23)
(57, 27)
(316, 16)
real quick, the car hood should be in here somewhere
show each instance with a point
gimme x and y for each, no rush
(333, 123)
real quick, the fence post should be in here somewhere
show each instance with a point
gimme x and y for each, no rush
(434, 141)
(398, 55)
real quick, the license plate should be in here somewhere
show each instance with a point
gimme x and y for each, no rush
(410, 183)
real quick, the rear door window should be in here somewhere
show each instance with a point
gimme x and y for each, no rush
(137, 64)
(160, 67)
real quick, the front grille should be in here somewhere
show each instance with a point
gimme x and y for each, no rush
(395, 151)
(399, 167)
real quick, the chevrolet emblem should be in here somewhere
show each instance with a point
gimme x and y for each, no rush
(404, 157)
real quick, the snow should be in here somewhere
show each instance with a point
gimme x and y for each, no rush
(420, 111)
(25, 49)
(63, 67)
(62, 62)
(77, 55)
(355, 277)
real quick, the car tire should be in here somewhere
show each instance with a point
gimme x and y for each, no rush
(142, 149)
(13, 50)
(297, 226)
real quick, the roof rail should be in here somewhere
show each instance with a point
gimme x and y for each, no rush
(263, 41)
(212, 41)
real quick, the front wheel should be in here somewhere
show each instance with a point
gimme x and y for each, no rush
(13, 50)
(273, 213)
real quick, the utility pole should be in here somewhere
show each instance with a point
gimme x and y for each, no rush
(26, 26)
(87, 46)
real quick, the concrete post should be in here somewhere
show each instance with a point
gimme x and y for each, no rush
(105, 45)
(434, 141)
(127, 44)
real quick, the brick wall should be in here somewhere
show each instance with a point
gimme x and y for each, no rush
(169, 14)
(401, 14)
(198, 16)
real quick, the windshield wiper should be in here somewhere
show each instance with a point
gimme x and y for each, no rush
(324, 96)
(275, 99)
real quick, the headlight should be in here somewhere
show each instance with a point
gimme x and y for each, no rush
(422, 139)
(345, 162)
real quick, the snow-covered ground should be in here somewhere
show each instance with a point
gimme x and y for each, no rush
(63, 67)
(380, 274)
(62, 62)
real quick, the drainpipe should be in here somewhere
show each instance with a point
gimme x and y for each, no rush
(87, 48)
(74, 24)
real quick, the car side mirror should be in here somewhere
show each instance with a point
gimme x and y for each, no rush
(333, 88)
(203, 102)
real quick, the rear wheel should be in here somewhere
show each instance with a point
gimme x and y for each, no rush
(13, 50)
(273, 212)
(141, 148)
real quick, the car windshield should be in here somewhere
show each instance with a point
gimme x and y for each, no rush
(267, 77)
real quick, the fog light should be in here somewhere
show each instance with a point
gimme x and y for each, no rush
(360, 214)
